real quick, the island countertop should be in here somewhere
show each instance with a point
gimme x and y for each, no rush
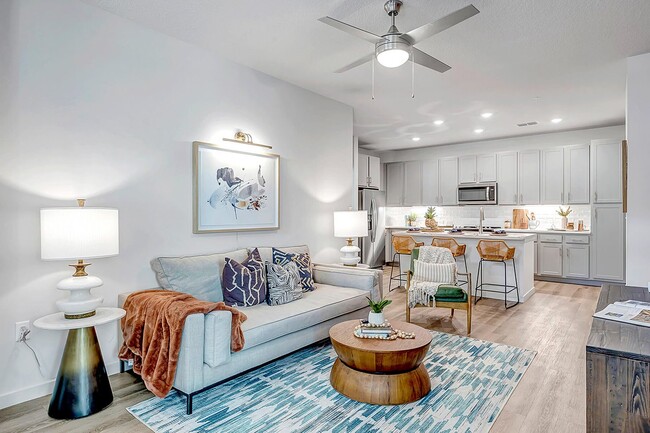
(525, 237)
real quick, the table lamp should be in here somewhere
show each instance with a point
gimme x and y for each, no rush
(350, 224)
(78, 233)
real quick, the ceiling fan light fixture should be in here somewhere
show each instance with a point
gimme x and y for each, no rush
(392, 52)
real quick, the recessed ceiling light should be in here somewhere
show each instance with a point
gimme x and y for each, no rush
(486, 115)
(556, 120)
(438, 122)
(415, 138)
(478, 131)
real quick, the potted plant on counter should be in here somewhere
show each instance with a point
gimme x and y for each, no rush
(411, 219)
(430, 218)
(376, 314)
(564, 213)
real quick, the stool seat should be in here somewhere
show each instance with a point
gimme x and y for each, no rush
(495, 251)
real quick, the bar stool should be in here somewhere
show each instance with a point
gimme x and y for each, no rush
(496, 251)
(456, 249)
(403, 246)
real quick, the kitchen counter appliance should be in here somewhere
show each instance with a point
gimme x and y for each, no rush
(477, 193)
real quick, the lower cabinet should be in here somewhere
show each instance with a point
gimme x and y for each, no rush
(576, 261)
(550, 258)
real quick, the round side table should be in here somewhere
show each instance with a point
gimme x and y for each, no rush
(82, 387)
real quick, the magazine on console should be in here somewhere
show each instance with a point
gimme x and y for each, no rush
(632, 312)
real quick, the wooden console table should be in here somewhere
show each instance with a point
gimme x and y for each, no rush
(618, 369)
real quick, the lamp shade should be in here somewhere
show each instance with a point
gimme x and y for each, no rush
(79, 233)
(351, 224)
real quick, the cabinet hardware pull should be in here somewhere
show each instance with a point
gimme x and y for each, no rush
(569, 194)
(568, 252)
(562, 197)
(560, 251)
(515, 198)
(595, 196)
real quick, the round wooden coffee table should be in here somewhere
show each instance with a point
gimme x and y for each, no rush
(380, 371)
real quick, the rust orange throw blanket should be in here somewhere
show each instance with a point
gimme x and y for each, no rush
(152, 330)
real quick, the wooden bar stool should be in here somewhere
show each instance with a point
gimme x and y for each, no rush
(457, 250)
(496, 251)
(403, 246)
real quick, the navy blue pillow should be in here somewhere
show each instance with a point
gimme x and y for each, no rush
(304, 266)
(244, 284)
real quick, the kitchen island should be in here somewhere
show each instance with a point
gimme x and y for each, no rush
(492, 272)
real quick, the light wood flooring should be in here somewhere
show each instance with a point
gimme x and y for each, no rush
(555, 322)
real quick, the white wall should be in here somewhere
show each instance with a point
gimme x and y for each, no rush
(638, 136)
(540, 141)
(106, 110)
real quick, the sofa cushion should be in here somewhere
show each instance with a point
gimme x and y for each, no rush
(200, 276)
(266, 323)
(267, 252)
(304, 266)
(244, 283)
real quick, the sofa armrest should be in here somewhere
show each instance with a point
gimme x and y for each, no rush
(218, 326)
(121, 297)
(356, 278)
(189, 370)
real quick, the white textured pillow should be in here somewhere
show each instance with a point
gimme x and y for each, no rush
(435, 273)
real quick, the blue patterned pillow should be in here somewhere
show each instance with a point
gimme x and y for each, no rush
(304, 266)
(244, 284)
(283, 283)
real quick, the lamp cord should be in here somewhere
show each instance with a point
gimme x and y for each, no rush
(23, 339)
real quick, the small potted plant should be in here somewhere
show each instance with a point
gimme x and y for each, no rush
(376, 315)
(411, 219)
(430, 218)
(564, 213)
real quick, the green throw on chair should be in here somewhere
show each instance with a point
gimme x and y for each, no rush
(432, 281)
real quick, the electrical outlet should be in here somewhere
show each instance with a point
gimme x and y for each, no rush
(19, 327)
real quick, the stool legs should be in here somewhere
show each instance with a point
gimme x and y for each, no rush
(505, 286)
(400, 276)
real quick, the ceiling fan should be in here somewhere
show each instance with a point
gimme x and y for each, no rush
(395, 48)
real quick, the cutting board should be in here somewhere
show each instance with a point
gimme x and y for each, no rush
(519, 219)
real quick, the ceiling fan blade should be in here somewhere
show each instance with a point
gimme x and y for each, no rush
(428, 30)
(361, 61)
(422, 58)
(354, 31)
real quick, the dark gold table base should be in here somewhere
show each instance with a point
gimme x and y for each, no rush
(82, 387)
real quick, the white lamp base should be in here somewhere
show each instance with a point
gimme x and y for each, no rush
(350, 254)
(80, 303)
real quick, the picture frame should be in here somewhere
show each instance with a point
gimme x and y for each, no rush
(234, 189)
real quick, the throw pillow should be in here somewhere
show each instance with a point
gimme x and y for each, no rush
(244, 284)
(283, 283)
(435, 272)
(303, 262)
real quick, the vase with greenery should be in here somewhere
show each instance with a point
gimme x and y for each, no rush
(376, 314)
(564, 213)
(411, 219)
(430, 218)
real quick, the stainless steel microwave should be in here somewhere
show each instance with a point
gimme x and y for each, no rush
(478, 193)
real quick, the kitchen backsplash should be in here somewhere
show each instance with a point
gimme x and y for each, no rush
(494, 215)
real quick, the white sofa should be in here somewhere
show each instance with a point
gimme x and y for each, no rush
(270, 332)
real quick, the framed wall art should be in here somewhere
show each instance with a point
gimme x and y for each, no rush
(235, 190)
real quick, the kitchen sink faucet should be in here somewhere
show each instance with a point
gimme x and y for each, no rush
(481, 217)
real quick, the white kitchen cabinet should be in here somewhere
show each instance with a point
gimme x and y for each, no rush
(486, 168)
(549, 258)
(552, 179)
(467, 169)
(394, 184)
(369, 171)
(606, 171)
(608, 242)
(448, 169)
(507, 177)
(430, 189)
(529, 168)
(412, 183)
(576, 174)
(576, 261)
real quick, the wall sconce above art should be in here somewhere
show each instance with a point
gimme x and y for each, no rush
(244, 137)
(235, 190)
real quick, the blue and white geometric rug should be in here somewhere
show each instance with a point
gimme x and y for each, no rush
(471, 381)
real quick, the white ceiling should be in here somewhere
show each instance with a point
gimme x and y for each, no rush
(524, 60)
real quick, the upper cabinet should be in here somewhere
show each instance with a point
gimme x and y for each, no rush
(412, 183)
(529, 169)
(430, 188)
(394, 184)
(552, 176)
(507, 178)
(606, 171)
(369, 171)
(576, 174)
(448, 181)
(481, 168)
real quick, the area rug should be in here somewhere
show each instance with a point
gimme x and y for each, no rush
(471, 382)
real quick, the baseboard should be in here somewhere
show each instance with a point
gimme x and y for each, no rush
(569, 281)
(41, 389)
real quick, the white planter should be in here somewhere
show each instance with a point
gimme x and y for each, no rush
(565, 222)
(376, 318)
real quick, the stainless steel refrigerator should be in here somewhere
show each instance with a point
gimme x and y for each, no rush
(372, 246)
